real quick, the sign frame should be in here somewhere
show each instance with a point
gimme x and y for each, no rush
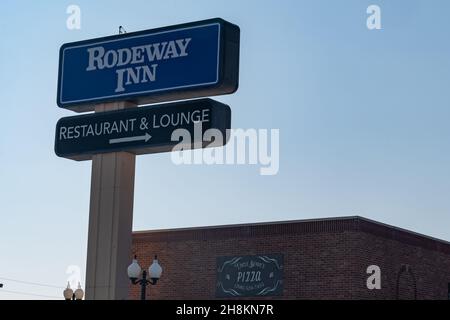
(253, 271)
(220, 119)
(228, 69)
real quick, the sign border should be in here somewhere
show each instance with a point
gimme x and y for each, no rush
(221, 121)
(223, 78)
(124, 96)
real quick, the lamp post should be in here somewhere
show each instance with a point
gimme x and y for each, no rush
(70, 295)
(154, 273)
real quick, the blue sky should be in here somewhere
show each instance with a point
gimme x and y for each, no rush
(363, 118)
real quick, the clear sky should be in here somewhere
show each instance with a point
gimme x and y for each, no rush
(363, 118)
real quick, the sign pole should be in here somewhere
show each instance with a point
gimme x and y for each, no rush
(138, 68)
(110, 220)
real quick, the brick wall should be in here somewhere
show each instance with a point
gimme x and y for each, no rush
(323, 259)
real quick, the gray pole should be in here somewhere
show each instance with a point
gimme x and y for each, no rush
(110, 221)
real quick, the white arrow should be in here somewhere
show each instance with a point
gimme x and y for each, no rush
(145, 138)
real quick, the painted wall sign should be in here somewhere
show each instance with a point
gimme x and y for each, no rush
(250, 276)
(144, 130)
(172, 63)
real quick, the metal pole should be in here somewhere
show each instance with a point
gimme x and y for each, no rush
(110, 221)
(143, 285)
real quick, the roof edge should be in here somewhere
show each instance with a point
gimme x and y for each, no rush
(250, 224)
(355, 218)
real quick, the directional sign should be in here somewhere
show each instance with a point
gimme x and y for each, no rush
(143, 130)
(184, 61)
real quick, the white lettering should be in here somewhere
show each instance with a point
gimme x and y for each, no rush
(157, 53)
(182, 45)
(121, 61)
(62, 133)
(120, 87)
(113, 55)
(95, 56)
(149, 75)
(99, 59)
(171, 51)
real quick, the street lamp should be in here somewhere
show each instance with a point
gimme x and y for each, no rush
(154, 273)
(70, 295)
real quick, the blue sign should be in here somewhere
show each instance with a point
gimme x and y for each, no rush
(172, 63)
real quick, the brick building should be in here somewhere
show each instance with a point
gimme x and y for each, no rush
(304, 259)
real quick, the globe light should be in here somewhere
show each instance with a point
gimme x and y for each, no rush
(155, 270)
(79, 293)
(68, 292)
(134, 269)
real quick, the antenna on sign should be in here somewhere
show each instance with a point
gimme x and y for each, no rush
(122, 30)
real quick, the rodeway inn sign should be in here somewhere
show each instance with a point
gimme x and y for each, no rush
(172, 63)
(114, 76)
